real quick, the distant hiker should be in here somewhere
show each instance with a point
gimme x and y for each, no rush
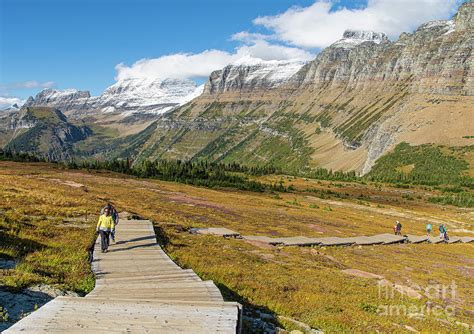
(105, 226)
(446, 237)
(398, 229)
(115, 217)
(428, 229)
(442, 231)
(395, 229)
(445, 234)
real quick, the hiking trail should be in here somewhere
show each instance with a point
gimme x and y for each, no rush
(138, 289)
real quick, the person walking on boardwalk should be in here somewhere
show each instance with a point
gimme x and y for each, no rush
(445, 234)
(442, 231)
(398, 228)
(115, 217)
(105, 226)
(428, 229)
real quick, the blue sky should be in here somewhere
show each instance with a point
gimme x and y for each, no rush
(78, 44)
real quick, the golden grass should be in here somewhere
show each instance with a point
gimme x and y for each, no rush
(304, 283)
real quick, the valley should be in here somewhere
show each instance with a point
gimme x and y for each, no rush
(53, 227)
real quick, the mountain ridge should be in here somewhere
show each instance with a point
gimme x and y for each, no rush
(342, 110)
(126, 97)
(353, 103)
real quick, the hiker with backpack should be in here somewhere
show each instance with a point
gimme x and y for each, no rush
(398, 228)
(443, 232)
(105, 226)
(428, 229)
(115, 217)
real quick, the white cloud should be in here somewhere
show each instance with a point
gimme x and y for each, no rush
(6, 102)
(28, 85)
(264, 50)
(200, 65)
(317, 26)
(249, 37)
(176, 66)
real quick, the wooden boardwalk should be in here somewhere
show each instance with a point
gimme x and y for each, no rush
(378, 239)
(139, 289)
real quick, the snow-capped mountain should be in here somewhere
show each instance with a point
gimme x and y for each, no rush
(145, 95)
(13, 107)
(447, 26)
(249, 74)
(65, 100)
(131, 96)
(351, 38)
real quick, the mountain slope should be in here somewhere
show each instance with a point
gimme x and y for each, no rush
(45, 132)
(126, 97)
(123, 109)
(355, 101)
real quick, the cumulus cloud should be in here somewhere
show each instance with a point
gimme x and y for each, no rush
(200, 65)
(319, 25)
(249, 37)
(29, 85)
(176, 66)
(6, 102)
(264, 50)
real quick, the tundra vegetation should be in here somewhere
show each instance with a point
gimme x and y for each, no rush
(48, 212)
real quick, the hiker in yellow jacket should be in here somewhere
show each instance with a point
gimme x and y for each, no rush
(105, 227)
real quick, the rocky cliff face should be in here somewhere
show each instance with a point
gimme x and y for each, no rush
(250, 74)
(69, 99)
(126, 97)
(351, 104)
(352, 38)
(432, 59)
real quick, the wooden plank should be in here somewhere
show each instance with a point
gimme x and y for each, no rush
(467, 239)
(297, 241)
(416, 239)
(333, 241)
(436, 240)
(366, 240)
(220, 231)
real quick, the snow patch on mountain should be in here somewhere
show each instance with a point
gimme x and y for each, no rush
(252, 73)
(352, 38)
(146, 95)
(445, 26)
(274, 71)
(128, 96)
(437, 24)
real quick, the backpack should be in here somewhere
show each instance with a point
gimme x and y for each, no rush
(115, 216)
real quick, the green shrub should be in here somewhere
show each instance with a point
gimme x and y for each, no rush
(4, 316)
(423, 165)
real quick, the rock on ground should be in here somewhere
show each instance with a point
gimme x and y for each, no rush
(22, 303)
